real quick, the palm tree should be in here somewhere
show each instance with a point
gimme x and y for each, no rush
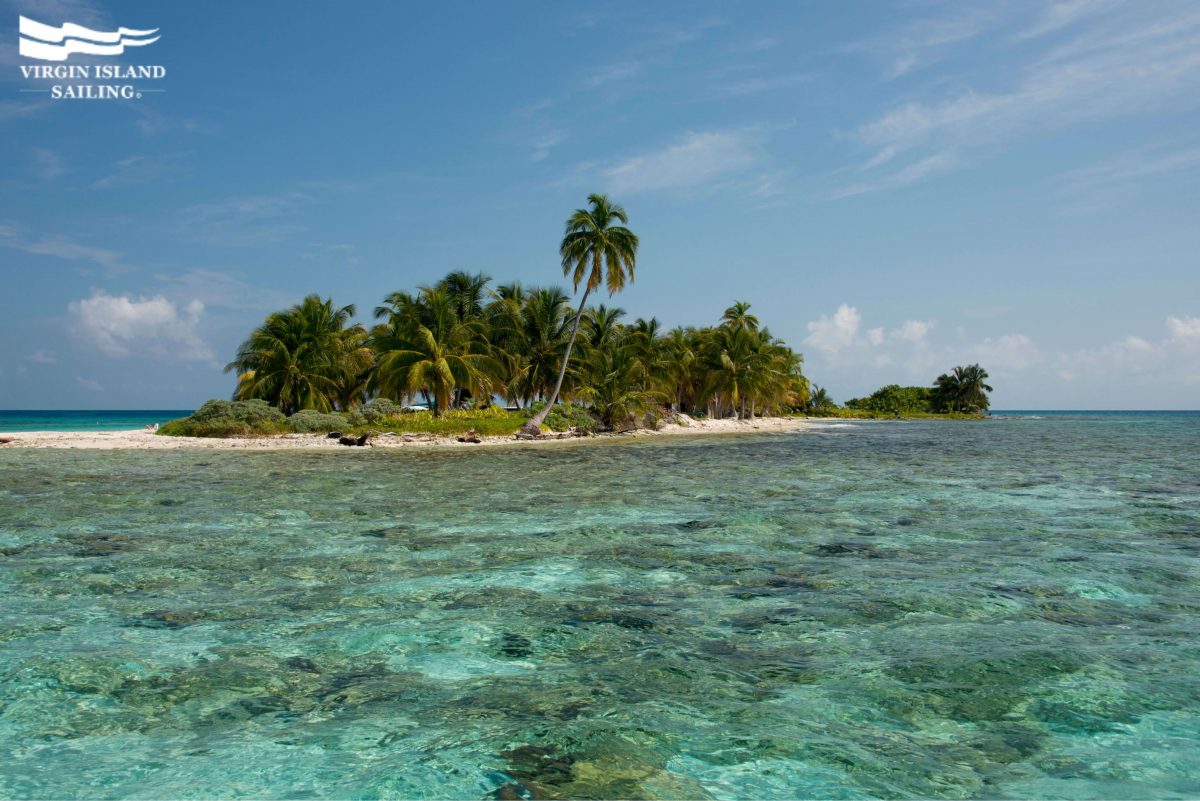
(738, 316)
(614, 383)
(946, 392)
(595, 249)
(602, 325)
(728, 357)
(972, 388)
(466, 293)
(964, 389)
(819, 400)
(426, 348)
(680, 355)
(528, 332)
(305, 357)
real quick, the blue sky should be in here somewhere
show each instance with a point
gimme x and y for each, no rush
(896, 187)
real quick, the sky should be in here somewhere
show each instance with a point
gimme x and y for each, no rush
(895, 187)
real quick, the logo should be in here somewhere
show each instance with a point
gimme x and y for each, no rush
(43, 42)
(47, 43)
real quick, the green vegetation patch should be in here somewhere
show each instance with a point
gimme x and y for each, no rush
(565, 416)
(492, 421)
(222, 418)
(255, 418)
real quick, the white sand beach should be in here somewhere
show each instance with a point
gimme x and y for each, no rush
(141, 439)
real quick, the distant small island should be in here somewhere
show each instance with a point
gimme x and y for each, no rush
(441, 357)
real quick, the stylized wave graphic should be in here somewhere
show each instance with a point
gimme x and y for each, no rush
(48, 43)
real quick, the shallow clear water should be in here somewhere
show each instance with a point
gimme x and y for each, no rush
(85, 420)
(977, 609)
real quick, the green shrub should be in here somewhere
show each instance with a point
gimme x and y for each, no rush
(565, 416)
(310, 421)
(381, 409)
(895, 398)
(486, 413)
(491, 422)
(222, 418)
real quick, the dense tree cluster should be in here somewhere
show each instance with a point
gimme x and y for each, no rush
(459, 343)
(963, 390)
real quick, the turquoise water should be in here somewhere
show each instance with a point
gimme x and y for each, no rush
(1005, 608)
(87, 420)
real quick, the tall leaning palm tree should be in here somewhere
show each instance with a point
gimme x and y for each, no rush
(594, 249)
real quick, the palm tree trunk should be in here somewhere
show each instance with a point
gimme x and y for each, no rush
(535, 423)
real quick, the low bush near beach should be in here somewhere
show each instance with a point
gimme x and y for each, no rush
(310, 421)
(222, 418)
(492, 421)
(565, 416)
(381, 409)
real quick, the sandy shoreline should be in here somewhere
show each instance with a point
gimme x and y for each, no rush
(144, 440)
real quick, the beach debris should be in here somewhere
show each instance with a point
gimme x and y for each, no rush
(334, 435)
(6, 440)
(470, 436)
(351, 441)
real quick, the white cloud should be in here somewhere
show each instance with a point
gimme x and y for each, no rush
(43, 357)
(1130, 61)
(1008, 352)
(62, 249)
(908, 174)
(925, 41)
(875, 336)
(1060, 15)
(46, 165)
(745, 87)
(542, 145)
(833, 334)
(122, 326)
(90, 384)
(1116, 179)
(137, 170)
(1185, 331)
(617, 71)
(913, 330)
(694, 160)
(1135, 361)
(217, 289)
(246, 220)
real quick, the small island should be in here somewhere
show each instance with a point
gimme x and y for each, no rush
(463, 359)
